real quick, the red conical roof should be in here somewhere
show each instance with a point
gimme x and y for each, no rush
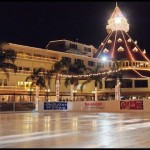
(118, 45)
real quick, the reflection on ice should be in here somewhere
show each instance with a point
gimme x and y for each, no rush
(74, 130)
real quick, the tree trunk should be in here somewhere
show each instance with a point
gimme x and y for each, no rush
(95, 93)
(37, 99)
(71, 92)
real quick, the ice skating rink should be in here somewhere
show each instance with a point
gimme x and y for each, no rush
(74, 130)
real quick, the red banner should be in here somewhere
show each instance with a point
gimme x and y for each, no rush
(135, 105)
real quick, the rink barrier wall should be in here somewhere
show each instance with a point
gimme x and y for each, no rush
(97, 106)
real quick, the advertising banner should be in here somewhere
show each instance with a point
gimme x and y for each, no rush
(55, 105)
(94, 104)
(134, 104)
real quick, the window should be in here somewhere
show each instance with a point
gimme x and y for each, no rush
(126, 83)
(27, 84)
(101, 65)
(37, 55)
(123, 63)
(19, 68)
(0, 82)
(67, 58)
(26, 69)
(145, 65)
(109, 64)
(114, 64)
(87, 49)
(141, 83)
(110, 84)
(79, 61)
(91, 63)
(20, 83)
(74, 46)
(61, 45)
(100, 85)
(5, 82)
(52, 57)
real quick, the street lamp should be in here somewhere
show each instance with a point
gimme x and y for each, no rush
(47, 91)
(30, 93)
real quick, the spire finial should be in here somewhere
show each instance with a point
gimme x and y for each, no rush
(116, 4)
(117, 21)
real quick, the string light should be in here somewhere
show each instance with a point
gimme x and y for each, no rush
(112, 55)
(105, 41)
(101, 73)
(138, 48)
(57, 89)
(87, 75)
(132, 58)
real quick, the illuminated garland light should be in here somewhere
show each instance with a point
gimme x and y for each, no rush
(131, 57)
(104, 42)
(112, 55)
(102, 73)
(140, 74)
(88, 75)
(117, 21)
(138, 48)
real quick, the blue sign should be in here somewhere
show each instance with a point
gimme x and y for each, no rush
(55, 105)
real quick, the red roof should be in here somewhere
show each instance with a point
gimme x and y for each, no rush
(118, 45)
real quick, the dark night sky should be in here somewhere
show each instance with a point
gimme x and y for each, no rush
(36, 23)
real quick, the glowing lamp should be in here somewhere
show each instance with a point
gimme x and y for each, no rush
(117, 20)
(104, 58)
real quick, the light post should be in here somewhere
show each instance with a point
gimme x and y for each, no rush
(30, 93)
(93, 92)
(74, 93)
(47, 91)
(117, 90)
(14, 102)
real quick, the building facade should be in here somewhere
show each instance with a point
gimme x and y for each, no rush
(117, 46)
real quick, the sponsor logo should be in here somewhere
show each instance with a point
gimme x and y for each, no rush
(55, 105)
(94, 104)
(134, 105)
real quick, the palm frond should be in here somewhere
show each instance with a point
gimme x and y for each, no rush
(67, 82)
(85, 82)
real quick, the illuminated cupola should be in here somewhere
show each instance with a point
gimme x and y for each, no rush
(117, 21)
(118, 45)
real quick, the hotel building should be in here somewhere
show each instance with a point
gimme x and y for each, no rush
(117, 46)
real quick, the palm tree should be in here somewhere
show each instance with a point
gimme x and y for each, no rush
(70, 69)
(96, 78)
(7, 59)
(59, 67)
(38, 80)
(48, 77)
(75, 68)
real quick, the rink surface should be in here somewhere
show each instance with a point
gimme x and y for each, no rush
(74, 130)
